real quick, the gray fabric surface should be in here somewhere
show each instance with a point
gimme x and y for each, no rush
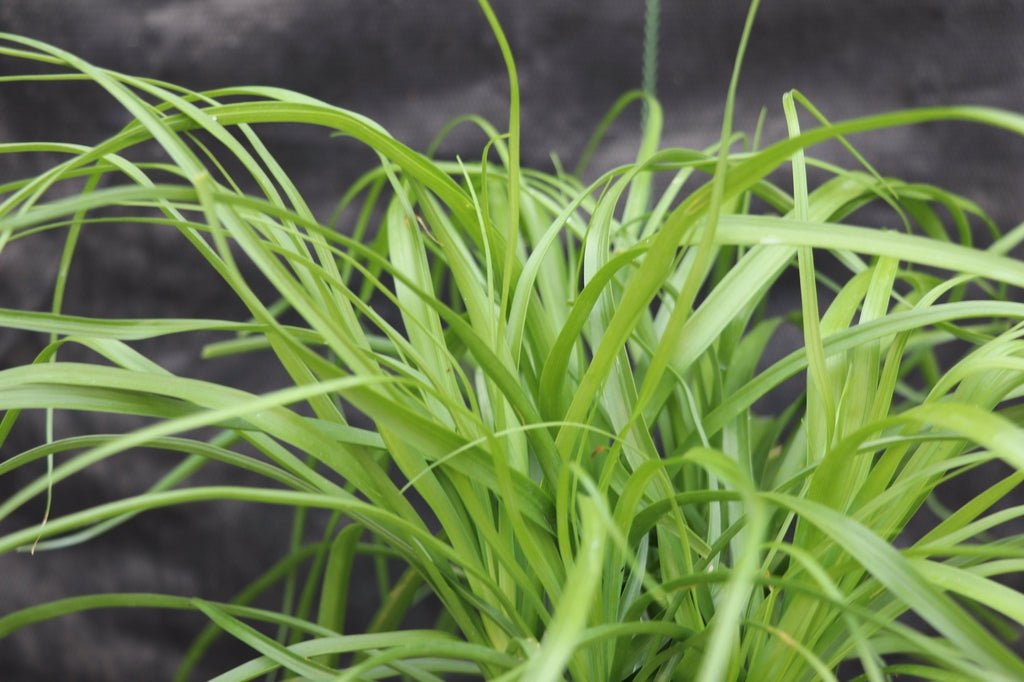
(412, 66)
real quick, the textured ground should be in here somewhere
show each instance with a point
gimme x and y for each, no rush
(412, 66)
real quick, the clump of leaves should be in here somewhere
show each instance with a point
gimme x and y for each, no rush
(566, 375)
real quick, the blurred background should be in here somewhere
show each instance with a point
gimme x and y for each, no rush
(413, 66)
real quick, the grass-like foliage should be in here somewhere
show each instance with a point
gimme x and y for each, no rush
(540, 395)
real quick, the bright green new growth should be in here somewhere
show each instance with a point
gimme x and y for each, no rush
(566, 375)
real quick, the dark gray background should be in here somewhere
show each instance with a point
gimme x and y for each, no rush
(412, 66)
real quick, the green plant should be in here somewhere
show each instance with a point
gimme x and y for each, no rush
(566, 376)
